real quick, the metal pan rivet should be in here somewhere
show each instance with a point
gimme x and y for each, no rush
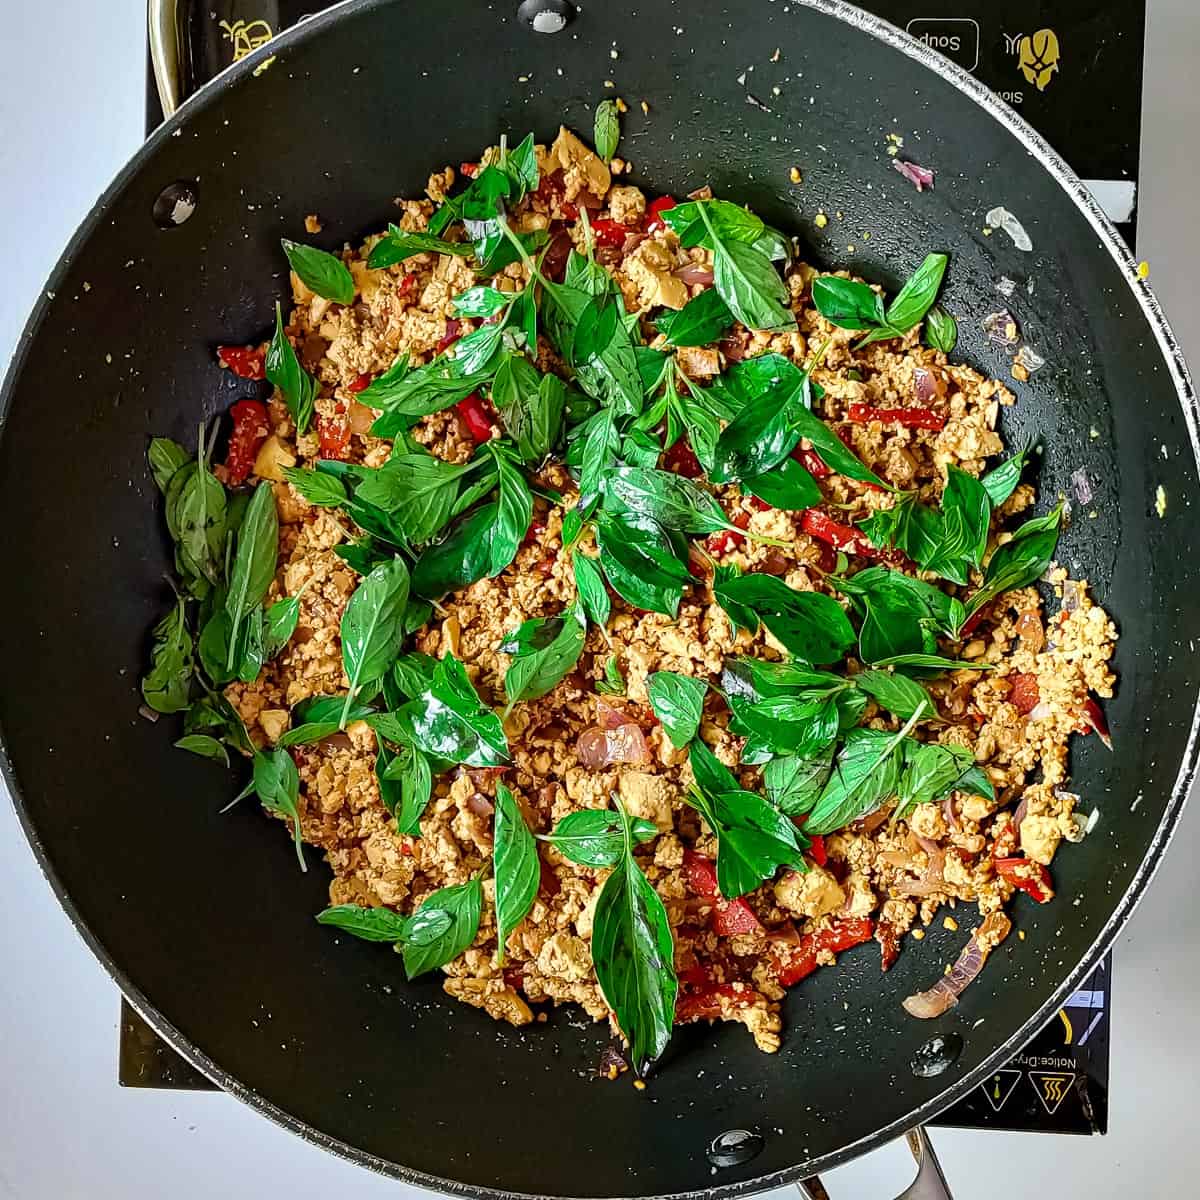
(175, 203)
(936, 1055)
(546, 16)
(734, 1147)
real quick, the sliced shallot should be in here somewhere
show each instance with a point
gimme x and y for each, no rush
(599, 748)
(945, 993)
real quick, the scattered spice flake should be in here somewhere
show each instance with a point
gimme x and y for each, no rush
(1143, 270)
(1006, 287)
(1093, 433)
(795, 176)
(645, 108)
(919, 934)
(950, 923)
(1001, 218)
(920, 177)
(312, 223)
(895, 141)
(608, 83)
(1160, 501)
(821, 220)
(1021, 934)
(1002, 328)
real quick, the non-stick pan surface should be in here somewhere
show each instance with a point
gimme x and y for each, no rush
(204, 920)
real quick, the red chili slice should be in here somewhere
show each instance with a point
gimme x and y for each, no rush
(1028, 876)
(1094, 718)
(728, 916)
(333, 433)
(813, 463)
(246, 362)
(729, 539)
(706, 1004)
(654, 220)
(910, 418)
(359, 385)
(682, 460)
(888, 937)
(816, 850)
(475, 414)
(452, 334)
(250, 429)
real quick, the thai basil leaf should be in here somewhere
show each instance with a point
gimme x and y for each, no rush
(520, 165)
(1001, 481)
(530, 404)
(165, 458)
(830, 447)
(417, 393)
(608, 129)
(213, 713)
(408, 771)
(636, 557)
(462, 558)
(372, 626)
(794, 783)
(678, 702)
(514, 514)
(599, 439)
(967, 511)
(613, 683)
(634, 957)
(788, 486)
(167, 685)
(941, 330)
(543, 651)
(748, 282)
(674, 501)
(866, 772)
(932, 772)
(205, 746)
(1020, 562)
(197, 518)
(933, 662)
(809, 625)
(764, 432)
(703, 319)
(753, 839)
(592, 593)
(594, 837)
(399, 244)
(277, 783)
(429, 941)
(516, 867)
(899, 695)
(450, 723)
(481, 302)
(370, 924)
(316, 487)
(918, 294)
(785, 725)
(847, 303)
(320, 272)
(283, 368)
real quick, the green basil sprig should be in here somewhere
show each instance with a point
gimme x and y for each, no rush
(543, 651)
(702, 320)
(373, 627)
(608, 129)
(634, 957)
(398, 244)
(852, 305)
(251, 576)
(1021, 561)
(941, 330)
(277, 784)
(167, 686)
(754, 839)
(810, 625)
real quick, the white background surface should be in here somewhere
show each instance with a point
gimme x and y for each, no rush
(69, 115)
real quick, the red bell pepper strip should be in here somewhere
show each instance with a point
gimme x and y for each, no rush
(333, 434)
(706, 1004)
(1028, 876)
(823, 528)
(910, 418)
(816, 849)
(475, 414)
(246, 362)
(250, 429)
(795, 961)
(610, 233)
(729, 539)
(681, 459)
(728, 916)
(654, 220)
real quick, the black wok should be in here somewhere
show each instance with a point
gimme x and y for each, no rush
(203, 919)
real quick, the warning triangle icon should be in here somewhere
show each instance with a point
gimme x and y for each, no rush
(999, 1086)
(1052, 1087)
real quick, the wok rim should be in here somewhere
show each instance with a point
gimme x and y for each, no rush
(1069, 181)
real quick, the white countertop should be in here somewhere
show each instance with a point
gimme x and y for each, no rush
(70, 113)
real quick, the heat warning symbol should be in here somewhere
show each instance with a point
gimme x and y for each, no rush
(999, 1087)
(1052, 1087)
